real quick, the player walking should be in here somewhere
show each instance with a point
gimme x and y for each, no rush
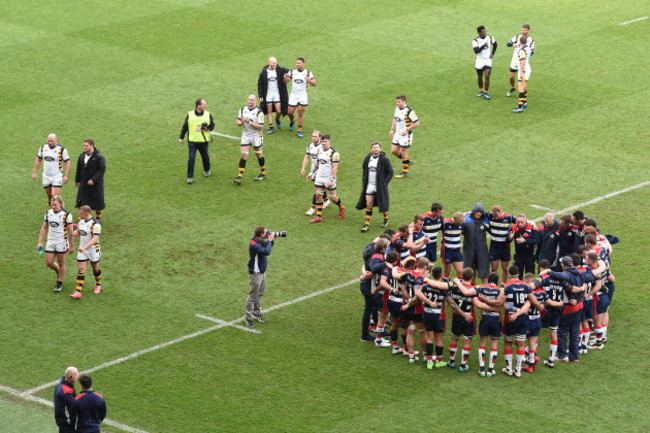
(251, 118)
(326, 168)
(404, 122)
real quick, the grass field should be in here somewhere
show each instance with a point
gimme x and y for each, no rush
(126, 73)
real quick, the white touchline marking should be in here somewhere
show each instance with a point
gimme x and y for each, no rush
(539, 207)
(224, 135)
(633, 21)
(597, 199)
(192, 335)
(49, 403)
(223, 322)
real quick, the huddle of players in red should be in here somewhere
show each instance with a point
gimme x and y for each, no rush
(570, 297)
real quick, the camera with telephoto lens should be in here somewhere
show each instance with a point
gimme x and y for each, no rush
(282, 234)
(205, 126)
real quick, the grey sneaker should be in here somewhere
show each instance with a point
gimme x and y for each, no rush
(207, 173)
(260, 318)
(190, 180)
(237, 180)
(57, 289)
(250, 324)
(260, 177)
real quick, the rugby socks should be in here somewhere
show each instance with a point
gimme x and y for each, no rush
(405, 165)
(481, 357)
(445, 278)
(98, 214)
(531, 358)
(242, 167)
(368, 216)
(80, 281)
(319, 207)
(553, 350)
(393, 338)
(439, 350)
(59, 284)
(262, 167)
(380, 332)
(493, 359)
(453, 347)
(404, 339)
(98, 277)
(522, 99)
(604, 329)
(507, 355)
(385, 216)
(313, 202)
(325, 196)
(299, 128)
(525, 96)
(521, 355)
(429, 352)
(465, 357)
(337, 201)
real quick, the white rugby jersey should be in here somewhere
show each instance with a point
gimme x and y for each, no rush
(523, 53)
(372, 170)
(404, 117)
(325, 160)
(530, 43)
(312, 150)
(272, 78)
(299, 80)
(53, 159)
(58, 223)
(256, 116)
(479, 42)
(88, 229)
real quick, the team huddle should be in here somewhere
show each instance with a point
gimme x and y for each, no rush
(570, 294)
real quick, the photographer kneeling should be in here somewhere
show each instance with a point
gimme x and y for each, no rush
(259, 248)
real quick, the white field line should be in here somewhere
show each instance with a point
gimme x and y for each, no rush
(536, 206)
(224, 135)
(223, 322)
(633, 21)
(188, 336)
(49, 403)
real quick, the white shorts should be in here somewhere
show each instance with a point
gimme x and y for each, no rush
(272, 98)
(402, 140)
(298, 99)
(371, 188)
(60, 246)
(322, 181)
(53, 181)
(514, 63)
(91, 254)
(483, 63)
(252, 140)
(527, 74)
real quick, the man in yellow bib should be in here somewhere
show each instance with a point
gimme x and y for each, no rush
(197, 126)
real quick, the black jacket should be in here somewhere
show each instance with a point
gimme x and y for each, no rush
(92, 196)
(475, 249)
(262, 86)
(384, 175)
(91, 411)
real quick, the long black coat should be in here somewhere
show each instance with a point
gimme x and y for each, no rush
(384, 175)
(92, 196)
(263, 84)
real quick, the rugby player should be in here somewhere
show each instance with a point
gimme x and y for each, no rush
(452, 228)
(88, 229)
(490, 324)
(433, 220)
(251, 118)
(484, 47)
(53, 156)
(59, 228)
(401, 132)
(514, 63)
(326, 169)
(499, 227)
(523, 73)
(299, 78)
(311, 155)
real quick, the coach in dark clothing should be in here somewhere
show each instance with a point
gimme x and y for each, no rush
(475, 248)
(373, 263)
(90, 406)
(272, 91)
(64, 401)
(377, 173)
(89, 179)
(569, 238)
(525, 237)
(548, 236)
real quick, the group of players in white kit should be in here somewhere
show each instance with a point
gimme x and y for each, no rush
(58, 224)
(485, 46)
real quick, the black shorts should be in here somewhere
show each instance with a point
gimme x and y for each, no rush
(433, 322)
(460, 326)
(500, 252)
